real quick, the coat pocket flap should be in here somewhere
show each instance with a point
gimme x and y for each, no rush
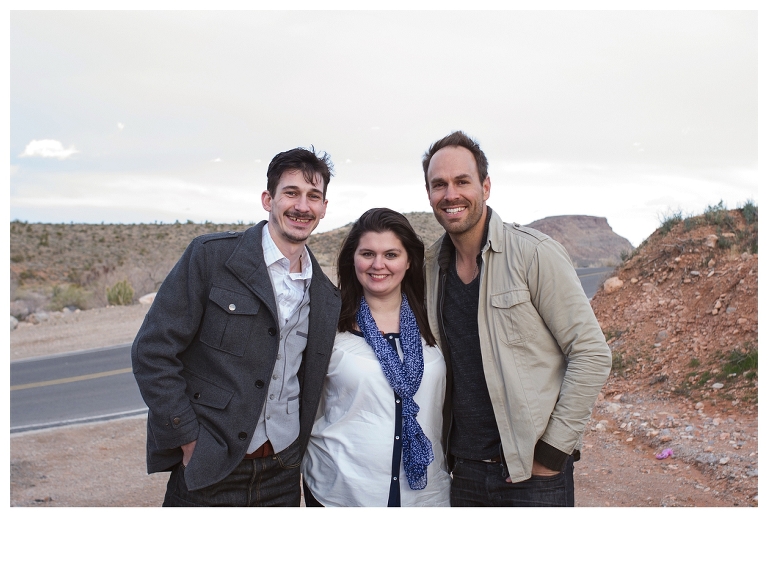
(202, 392)
(233, 302)
(510, 298)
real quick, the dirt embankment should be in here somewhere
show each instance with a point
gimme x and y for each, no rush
(681, 319)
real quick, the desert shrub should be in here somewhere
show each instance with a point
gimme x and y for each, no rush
(718, 215)
(120, 294)
(68, 296)
(749, 211)
(669, 220)
(724, 242)
(617, 361)
(740, 362)
(690, 223)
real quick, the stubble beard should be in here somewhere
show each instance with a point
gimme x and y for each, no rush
(461, 227)
(294, 238)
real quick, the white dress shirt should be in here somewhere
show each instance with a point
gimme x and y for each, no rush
(349, 458)
(289, 287)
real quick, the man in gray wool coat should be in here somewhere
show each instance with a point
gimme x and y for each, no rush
(232, 354)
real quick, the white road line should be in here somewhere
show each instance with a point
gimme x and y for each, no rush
(103, 417)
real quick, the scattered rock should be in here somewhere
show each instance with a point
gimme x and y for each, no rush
(19, 309)
(717, 386)
(14, 322)
(612, 284)
(38, 317)
(147, 299)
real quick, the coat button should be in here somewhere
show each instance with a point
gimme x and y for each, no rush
(196, 395)
(259, 384)
(232, 307)
(242, 435)
(272, 331)
(177, 420)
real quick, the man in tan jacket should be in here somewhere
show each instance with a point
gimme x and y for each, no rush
(526, 357)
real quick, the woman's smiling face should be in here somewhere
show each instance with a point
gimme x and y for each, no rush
(380, 264)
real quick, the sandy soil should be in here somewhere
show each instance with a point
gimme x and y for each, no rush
(102, 464)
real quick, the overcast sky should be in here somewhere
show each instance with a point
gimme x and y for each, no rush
(164, 116)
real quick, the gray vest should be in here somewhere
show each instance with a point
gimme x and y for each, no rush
(279, 418)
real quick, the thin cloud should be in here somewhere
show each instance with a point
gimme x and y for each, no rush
(48, 148)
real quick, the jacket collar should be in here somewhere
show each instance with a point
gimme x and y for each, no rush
(247, 264)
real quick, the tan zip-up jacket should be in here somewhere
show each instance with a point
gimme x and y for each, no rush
(544, 355)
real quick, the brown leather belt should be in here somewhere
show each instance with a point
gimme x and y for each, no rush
(262, 451)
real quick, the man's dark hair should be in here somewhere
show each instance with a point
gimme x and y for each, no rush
(457, 139)
(302, 160)
(382, 220)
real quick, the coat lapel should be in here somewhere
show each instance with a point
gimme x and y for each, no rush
(247, 264)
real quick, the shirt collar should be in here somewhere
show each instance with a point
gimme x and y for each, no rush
(273, 255)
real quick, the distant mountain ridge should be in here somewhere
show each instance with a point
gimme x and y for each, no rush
(589, 240)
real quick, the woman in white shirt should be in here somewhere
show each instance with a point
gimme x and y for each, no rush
(376, 440)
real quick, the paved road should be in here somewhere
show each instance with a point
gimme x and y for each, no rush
(68, 388)
(99, 385)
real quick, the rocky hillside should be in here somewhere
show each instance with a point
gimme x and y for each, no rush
(590, 241)
(680, 316)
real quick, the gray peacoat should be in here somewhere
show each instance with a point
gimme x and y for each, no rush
(205, 352)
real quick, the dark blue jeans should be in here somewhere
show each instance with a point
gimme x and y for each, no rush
(266, 481)
(477, 483)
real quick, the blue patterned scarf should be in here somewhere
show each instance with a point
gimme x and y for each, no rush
(404, 378)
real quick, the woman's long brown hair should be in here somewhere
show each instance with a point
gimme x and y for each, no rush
(381, 220)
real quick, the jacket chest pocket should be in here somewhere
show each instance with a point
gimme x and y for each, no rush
(228, 320)
(514, 316)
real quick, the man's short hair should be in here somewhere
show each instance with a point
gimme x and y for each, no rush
(457, 139)
(303, 160)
